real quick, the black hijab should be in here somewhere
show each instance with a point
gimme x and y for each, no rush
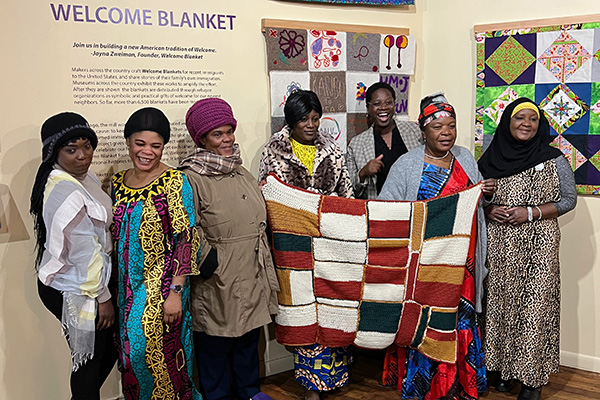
(507, 156)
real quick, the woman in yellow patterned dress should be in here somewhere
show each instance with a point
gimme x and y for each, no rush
(157, 249)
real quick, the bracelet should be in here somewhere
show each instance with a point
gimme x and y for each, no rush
(540, 211)
(529, 214)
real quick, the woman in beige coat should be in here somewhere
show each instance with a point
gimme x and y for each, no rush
(236, 292)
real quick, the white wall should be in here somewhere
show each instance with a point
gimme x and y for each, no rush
(449, 65)
(34, 361)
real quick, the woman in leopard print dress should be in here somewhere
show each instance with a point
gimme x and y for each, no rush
(535, 186)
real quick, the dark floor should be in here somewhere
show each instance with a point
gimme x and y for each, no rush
(568, 384)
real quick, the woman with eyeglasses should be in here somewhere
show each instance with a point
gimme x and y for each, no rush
(370, 155)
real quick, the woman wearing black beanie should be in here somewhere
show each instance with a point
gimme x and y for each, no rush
(72, 216)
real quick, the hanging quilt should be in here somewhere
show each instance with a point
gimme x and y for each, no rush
(338, 67)
(371, 2)
(370, 273)
(558, 67)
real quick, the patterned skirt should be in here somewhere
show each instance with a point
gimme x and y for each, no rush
(419, 377)
(321, 368)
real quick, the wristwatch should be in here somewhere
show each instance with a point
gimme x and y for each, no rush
(176, 288)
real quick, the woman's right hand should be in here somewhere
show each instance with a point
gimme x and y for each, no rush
(371, 168)
(106, 315)
(497, 213)
(172, 308)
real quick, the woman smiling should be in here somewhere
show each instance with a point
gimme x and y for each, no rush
(157, 248)
(436, 169)
(535, 186)
(372, 153)
(304, 157)
(236, 291)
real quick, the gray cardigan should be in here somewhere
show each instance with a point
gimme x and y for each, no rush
(403, 183)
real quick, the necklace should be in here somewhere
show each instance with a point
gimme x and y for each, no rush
(438, 158)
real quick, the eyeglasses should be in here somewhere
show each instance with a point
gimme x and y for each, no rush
(379, 104)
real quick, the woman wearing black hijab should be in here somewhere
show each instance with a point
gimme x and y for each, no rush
(535, 186)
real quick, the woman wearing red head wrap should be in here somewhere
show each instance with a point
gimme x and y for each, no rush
(440, 168)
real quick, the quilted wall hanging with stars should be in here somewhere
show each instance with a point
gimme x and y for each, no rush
(558, 67)
(338, 63)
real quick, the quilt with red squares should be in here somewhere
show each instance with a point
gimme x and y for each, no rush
(370, 273)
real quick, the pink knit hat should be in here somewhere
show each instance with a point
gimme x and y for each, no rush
(206, 115)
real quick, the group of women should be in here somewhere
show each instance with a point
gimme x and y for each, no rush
(195, 277)
(189, 249)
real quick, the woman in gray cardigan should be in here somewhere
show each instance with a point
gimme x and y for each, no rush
(440, 168)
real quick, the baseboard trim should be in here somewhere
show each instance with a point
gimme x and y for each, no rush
(580, 361)
(278, 365)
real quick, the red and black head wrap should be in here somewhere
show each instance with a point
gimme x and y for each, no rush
(433, 107)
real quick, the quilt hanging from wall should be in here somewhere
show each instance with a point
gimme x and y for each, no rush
(559, 68)
(338, 67)
(372, 2)
(370, 273)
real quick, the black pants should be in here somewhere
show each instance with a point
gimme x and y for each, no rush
(87, 381)
(223, 359)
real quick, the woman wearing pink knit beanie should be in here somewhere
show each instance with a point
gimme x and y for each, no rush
(236, 291)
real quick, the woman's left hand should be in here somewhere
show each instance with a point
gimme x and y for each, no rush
(516, 215)
(488, 186)
(172, 308)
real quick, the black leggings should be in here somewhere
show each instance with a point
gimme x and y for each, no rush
(87, 381)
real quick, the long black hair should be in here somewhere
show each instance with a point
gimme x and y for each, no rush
(36, 208)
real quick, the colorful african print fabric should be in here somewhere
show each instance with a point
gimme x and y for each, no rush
(322, 368)
(417, 376)
(154, 242)
(438, 181)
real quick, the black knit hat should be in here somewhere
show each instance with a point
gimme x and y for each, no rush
(148, 119)
(62, 128)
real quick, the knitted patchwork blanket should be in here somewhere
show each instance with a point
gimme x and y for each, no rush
(370, 273)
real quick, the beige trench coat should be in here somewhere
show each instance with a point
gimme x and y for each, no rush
(242, 292)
